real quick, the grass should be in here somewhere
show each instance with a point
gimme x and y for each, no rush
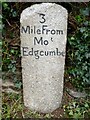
(12, 107)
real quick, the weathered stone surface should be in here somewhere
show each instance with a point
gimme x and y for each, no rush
(43, 43)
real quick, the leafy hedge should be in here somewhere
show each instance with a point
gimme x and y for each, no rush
(79, 51)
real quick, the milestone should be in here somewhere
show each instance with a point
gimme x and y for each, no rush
(44, 29)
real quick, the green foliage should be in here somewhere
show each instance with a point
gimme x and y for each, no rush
(9, 62)
(78, 110)
(79, 52)
(11, 106)
(2, 0)
(10, 53)
(10, 11)
(34, 114)
(9, 57)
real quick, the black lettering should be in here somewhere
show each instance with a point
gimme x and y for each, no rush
(63, 54)
(41, 53)
(25, 29)
(38, 31)
(45, 42)
(60, 53)
(52, 53)
(36, 41)
(43, 28)
(59, 32)
(47, 31)
(46, 53)
(36, 54)
(24, 51)
(42, 16)
(31, 52)
(53, 32)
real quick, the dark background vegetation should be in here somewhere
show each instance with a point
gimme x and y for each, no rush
(77, 68)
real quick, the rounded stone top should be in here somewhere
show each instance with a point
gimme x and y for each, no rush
(29, 11)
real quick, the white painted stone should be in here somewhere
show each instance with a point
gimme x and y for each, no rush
(43, 75)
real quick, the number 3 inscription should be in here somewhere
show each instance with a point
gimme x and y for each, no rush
(43, 18)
